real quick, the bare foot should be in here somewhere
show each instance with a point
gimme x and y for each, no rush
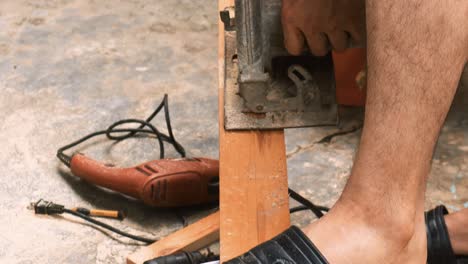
(348, 234)
(457, 224)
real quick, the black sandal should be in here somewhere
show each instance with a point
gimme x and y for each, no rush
(293, 247)
(290, 247)
(439, 248)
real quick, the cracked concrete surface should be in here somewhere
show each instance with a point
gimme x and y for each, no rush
(70, 67)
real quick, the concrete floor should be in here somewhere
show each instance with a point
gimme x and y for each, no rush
(70, 67)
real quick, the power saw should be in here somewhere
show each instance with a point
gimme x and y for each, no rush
(265, 86)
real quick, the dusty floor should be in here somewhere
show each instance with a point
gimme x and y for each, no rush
(70, 67)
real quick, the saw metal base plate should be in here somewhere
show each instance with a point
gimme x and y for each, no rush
(235, 116)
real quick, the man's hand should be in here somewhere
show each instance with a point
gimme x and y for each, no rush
(325, 24)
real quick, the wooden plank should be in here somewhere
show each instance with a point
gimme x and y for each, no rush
(254, 202)
(193, 237)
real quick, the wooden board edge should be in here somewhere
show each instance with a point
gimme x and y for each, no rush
(193, 237)
(254, 201)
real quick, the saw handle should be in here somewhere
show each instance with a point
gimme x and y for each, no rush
(160, 183)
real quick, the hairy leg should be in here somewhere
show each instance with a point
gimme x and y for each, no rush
(416, 52)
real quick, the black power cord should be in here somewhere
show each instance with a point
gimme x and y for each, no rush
(50, 208)
(317, 210)
(301, 208)
(184, 257)
(109, 227)
(117, 134)
(114, 133)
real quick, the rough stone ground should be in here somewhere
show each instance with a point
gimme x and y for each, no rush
(70, 67)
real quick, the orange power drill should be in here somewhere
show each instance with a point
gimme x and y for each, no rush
(161, 183)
